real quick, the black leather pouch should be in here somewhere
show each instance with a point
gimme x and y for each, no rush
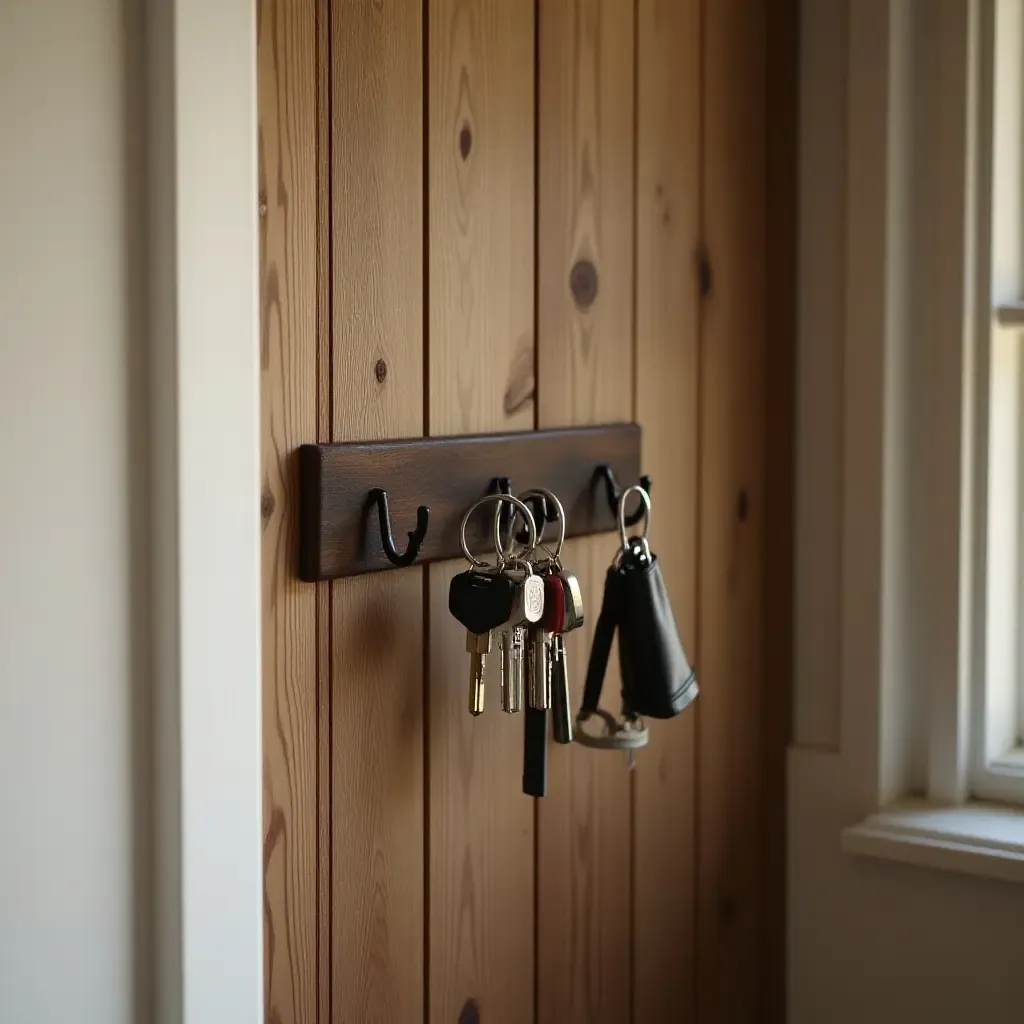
(657, 680)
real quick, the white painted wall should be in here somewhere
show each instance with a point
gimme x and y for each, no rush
(73, 579)
(869, 940)
(876, 942)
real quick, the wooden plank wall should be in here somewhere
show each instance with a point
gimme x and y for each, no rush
(585, 275)
(480, 247)
(503, 216)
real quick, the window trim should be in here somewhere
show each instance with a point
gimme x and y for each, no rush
(207, 930)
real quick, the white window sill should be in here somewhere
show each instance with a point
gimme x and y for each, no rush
(976, 839)
(1011, 763)
(1011, 315)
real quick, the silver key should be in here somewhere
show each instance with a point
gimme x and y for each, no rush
(528, 607)
(478, 646)
(538, 668)
(512, 652)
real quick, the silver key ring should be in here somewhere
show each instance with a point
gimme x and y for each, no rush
(616, 736)
(646, 499)
(531, 526)
(553, 498)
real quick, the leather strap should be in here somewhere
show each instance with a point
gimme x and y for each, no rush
(604, 634)
(535, 752)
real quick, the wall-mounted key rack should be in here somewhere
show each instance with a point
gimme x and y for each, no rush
(356, 498)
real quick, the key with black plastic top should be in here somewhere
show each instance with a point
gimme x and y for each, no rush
(482, 602)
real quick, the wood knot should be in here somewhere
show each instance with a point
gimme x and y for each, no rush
(470, 1013)
(704, 273)
(583, 283)
(380, 371)
(267, 504)
(519, 392)
(465, 141)
(742, 506)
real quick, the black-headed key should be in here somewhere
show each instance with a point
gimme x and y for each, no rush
(482, 602)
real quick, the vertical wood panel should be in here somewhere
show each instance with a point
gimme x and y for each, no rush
(732, 518)
(377, 661)
(481, 378)
(324, 328)
(289, 416)
(585, 375)
(667, 334)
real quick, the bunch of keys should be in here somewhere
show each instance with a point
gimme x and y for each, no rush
(505, 597)
(547, 675)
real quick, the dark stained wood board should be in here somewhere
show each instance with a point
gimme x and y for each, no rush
(340, 535)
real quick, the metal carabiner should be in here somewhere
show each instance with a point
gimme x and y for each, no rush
(645, 498)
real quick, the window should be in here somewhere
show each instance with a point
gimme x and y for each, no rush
(925, 259)
(998, 728)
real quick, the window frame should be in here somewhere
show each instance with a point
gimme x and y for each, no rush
(894, 315)
(926, 667)
(997, 761)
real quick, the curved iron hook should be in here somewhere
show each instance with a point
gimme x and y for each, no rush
(542, 515)
(502, 485)
(613, 492)
(538, 506)
(387, 541)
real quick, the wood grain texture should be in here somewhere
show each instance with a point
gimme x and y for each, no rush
(584, 908)
(289, 416)
(732, 519)
(585, 375)
(668, 403)
(586, 138)
(782, 96)
(480, 69)
(376, 644)
(324, 201)
(481, 216)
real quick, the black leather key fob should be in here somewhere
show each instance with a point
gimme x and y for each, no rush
(657, 679)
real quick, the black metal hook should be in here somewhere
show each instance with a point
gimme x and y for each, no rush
(380, 498)
(537, 503)
(614, 493)
(502, 485)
